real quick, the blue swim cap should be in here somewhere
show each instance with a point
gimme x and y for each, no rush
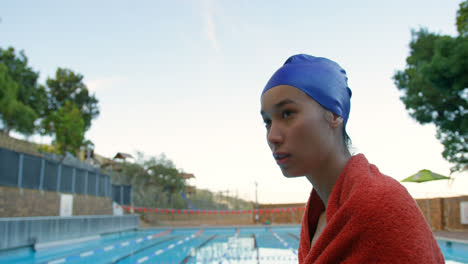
(322, 79)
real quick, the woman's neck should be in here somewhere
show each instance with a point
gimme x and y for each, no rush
(325, 179)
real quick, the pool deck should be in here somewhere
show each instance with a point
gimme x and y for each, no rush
(460, 236)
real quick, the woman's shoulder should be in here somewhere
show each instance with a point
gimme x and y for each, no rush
(365, 184)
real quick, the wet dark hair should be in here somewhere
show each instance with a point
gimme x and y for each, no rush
(346, 139)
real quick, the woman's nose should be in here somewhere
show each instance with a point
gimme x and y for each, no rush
(274, 136)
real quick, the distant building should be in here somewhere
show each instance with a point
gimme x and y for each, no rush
(122, 156)
(189, 189)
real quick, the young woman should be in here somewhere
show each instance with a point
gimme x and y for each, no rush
(355, 214)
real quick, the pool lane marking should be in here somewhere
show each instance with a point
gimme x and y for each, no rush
(57, 261)
(285, 244)
(142, 249)
(87, 253)
(160, 251)
(224, 256)
(256, 248)
(282, 257)
(109, 248)
(143, 259)
(293, 235)
(193, 253)
(106, 248)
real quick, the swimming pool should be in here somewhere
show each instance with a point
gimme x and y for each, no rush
(259, 245)
(454, 252)
(182, 245)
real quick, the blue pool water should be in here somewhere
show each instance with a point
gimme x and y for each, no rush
(182, 245)
(454, 252)
(264, 245)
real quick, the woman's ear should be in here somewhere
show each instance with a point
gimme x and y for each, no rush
(333, 119)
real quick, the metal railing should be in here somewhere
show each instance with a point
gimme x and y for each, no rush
(32, 172)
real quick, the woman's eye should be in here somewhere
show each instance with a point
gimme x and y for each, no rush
(285, 114)
(267, 122)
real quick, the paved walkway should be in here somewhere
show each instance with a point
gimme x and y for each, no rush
(461, 236)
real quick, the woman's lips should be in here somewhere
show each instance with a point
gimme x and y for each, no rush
(281, 157)
(282, 161)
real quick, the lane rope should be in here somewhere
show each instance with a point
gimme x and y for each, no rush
(193, 253)
(237, 258)
(225, 255)
(209, 212)
(285, 244)
(88, 253)
(169, 247)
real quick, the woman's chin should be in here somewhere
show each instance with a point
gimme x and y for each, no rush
(290, 174)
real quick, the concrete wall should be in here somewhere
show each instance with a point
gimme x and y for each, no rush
(162, 219)
(15, 202)
(92, 205)
(26, 231)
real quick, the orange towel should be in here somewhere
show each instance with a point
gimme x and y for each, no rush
(371, 218)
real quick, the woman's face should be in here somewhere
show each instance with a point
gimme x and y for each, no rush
(298, 131)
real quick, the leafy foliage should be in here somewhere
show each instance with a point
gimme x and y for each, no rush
(23, 100)
(206, 199)
(69, 86)
(435, 87)
(157, 183)
(13, 113)
(68, 127)
(462, 18)
(65, 109)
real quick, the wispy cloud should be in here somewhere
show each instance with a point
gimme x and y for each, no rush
(208, 15)
(103, 83)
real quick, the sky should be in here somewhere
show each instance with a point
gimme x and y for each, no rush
(184, 78)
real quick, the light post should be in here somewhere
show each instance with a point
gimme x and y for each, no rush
(256, 203)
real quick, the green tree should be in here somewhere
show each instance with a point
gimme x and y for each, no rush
(27, 100)
(435, 86)
(69, 86)
(155, 181)
(462, 18)
(68, 127)
(13, 113)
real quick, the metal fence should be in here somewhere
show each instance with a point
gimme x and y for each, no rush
(122, 194)
(27, 171)
(26, 231)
